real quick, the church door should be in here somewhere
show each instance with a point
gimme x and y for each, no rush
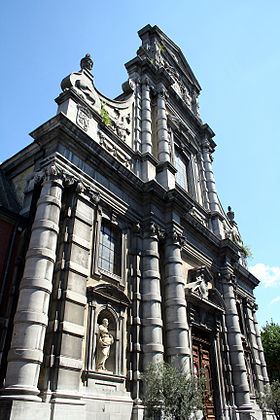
(201, 361)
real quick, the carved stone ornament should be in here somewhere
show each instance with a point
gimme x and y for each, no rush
(50, 172)
(83, 117)
(198, 216)
(82, 188)
(176, 237)
(201, 278)
(199, 286)
(108, 145)
(82, 83)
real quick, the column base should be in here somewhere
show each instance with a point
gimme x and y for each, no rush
(66, 397)
(138, 411)
(245, 412)
(20, 393)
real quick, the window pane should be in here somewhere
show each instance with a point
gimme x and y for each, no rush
(110, 248)
(181, 175)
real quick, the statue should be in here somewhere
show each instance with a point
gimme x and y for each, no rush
(200, 286)
(104, 342)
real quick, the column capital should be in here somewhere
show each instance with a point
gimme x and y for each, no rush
(205, 145)
(255, 307)
(51, 172)
(152, 229)
(54, 172)
(162, 91)
(145, 81)
(249, 303)
(227, 277)
(176, 237)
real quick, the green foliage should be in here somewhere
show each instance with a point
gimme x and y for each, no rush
(271, 345)
(270, 399)
(104, 115)
(161, 48)
(247, 251)
(170, 393)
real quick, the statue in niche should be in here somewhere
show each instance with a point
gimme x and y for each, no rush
(104, 342)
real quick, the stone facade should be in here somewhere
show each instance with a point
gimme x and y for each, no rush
(128, 256)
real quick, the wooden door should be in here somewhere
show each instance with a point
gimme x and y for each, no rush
(201, 361)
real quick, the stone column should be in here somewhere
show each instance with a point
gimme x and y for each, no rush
(254, 345)
(146, 118)
(260, 347)
(203, 182)
(148, 162)
(137, 113)
(211, 187)
(151, 298)
(162, 129)
(165, 170)
(176, 324)
(31, 318)
(239, 372)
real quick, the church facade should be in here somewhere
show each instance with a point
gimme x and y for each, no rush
(121, 255)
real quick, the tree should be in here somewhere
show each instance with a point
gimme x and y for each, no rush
(271, 398)
(172, 394)
(271, 346)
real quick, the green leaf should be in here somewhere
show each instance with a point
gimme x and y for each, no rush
(171, 393)
(104, 115)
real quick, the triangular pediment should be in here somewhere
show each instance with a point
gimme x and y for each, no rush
(166, 53)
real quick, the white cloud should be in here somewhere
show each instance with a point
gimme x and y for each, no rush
(269, 276)
(275, 299)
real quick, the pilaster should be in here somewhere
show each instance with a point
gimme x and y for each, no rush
(75, 266)
(135, 374)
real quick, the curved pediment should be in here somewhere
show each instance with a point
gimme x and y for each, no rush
(109, 292)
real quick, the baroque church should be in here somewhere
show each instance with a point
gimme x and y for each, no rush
(117, 253)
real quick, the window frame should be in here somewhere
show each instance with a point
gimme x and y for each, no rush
(97, 271)
(112, 246)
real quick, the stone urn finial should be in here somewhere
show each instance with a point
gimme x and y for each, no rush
(86, 62)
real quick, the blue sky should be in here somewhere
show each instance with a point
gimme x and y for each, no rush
(233, 49)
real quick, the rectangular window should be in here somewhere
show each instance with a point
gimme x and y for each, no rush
(181, 175)
(109, 256)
